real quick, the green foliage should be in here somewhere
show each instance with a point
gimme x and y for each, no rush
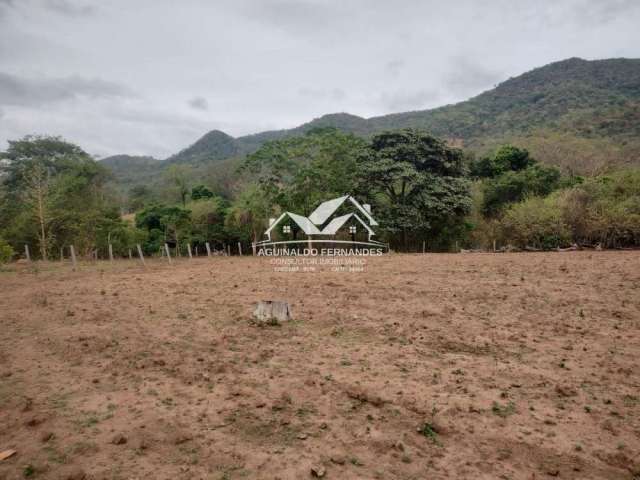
(604, 209)
(122, 235)
(214, 145)
(506, 158)
(139, 196)
(208, 220)
(199, 192)
(178, 178)
(503, 410)
(164, 224)
(417, 185)
(127, 171)
(514, 186)
(298, 173)
(429, 431)
(6, 252)
(249, 214)
(536, 222)
(580, 116)
(54, 194)
(601, 210)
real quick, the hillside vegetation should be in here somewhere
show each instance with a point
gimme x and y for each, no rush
(581, 116)
(548, 160)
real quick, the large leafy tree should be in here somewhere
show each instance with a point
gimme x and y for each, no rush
(164, 224)
(53, 194)
(418, 186)
(207, 220)
(249, 213)
(506, 158)
(298, 173)
(514, 186)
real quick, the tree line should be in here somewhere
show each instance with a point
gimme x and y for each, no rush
(422, 191)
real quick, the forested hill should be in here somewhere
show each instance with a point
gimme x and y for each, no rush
(578, 114)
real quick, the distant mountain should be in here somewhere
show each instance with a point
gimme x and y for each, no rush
(556, 95)
(581, 115)
(543, 97)
(215, 145)
(128, 170)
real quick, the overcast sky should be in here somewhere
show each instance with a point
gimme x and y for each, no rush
(149, 77)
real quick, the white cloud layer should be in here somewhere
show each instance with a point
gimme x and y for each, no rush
(151, 76)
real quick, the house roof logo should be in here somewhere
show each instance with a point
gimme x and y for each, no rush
(324, 225)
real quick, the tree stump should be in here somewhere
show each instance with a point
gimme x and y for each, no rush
(270, 312)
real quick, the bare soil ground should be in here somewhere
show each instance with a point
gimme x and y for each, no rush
(478, 366)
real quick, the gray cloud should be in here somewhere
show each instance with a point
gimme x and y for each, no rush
(297, 16)
(336, 94)
(199, 103)
(468, 76)
(68, 7)
(5, 5)
(402, 100)
(15, 90)
(393, 67)
(64, 7)
(591, 13)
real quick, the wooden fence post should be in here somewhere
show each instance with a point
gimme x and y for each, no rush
(208, 249)
(424, 247)
(196, 252)
(189, 250)
(130, 256)
(140, 253)
(61, 254)
(73, 257)
(229, 250)
(166, 249)
(253, 247)
(494, 245)
(239, 249)
(111, 253)
(26, 253)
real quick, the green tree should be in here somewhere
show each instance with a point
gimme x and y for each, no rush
(179, 176)
(506, 158)
(297, 173)
(207, 220)
(199, 192)
(54, 192)
(164, 224)
(139, 196)
(249, 214)
(514, 186)
(418, 185)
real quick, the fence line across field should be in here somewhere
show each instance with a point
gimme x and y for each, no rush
(164, 250)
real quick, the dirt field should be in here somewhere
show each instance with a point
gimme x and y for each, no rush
(479, 366)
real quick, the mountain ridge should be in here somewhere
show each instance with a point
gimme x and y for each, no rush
(585, 99)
